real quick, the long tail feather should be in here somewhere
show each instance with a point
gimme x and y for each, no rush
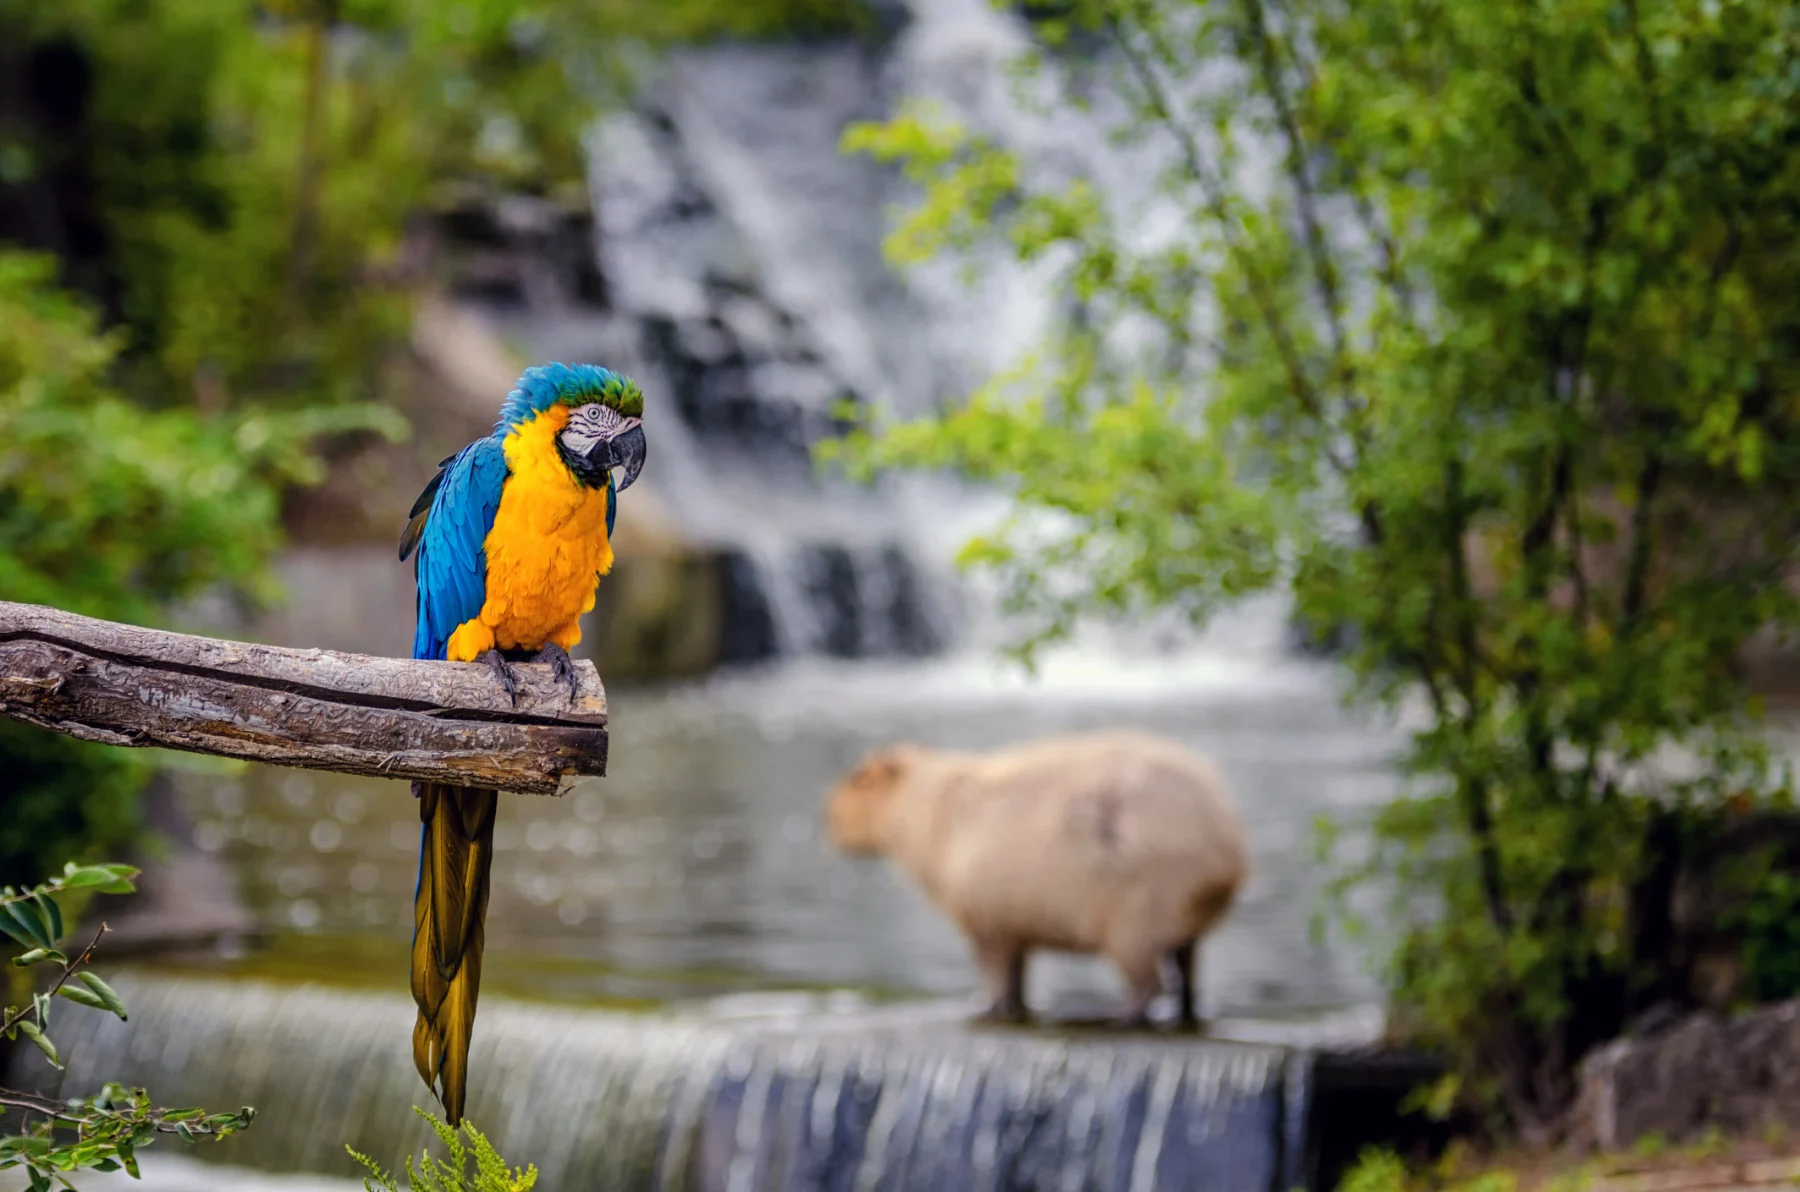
(456, 850)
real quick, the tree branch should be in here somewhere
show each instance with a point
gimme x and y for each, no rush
(1643, 545)
(62, 978)
(1212, 190)
(1325, 275)
(384, 717)
(59, 1111)
(312, 153)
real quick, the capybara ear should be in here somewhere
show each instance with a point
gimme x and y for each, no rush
(856, 808)
(885, 767)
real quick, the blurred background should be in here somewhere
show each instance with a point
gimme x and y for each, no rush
(768, 622)
(262, 266)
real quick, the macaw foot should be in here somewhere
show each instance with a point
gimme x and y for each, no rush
(561, 666)
(508, 681)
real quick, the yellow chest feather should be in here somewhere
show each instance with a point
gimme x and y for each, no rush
(548, 546)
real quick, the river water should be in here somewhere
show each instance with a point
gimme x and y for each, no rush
(696, 869)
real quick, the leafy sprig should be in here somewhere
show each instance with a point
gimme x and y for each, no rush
(451, 1174)
(102, 1132)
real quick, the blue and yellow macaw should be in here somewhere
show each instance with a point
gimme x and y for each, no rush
(513, 534)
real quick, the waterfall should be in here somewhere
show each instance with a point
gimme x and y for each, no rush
(616, 1102)
(744, 285)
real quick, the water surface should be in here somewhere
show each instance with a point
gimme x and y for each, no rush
(697, 868)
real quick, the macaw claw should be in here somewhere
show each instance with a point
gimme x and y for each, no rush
(508, 681)
(561, 666)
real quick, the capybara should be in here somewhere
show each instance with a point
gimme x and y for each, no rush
(1118, 843)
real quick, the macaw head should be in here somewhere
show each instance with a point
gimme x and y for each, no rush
(598, 439)
(605, 427)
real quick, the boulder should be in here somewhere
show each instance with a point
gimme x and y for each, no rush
(1737, 1074)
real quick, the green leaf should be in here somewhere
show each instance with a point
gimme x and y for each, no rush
(30, 1031)
(105, 993)
(36, 920)
(23, 926)
(83, 997)
(52, 914)
(35, 956)
(108, 879)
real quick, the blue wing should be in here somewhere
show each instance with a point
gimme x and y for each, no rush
(612, 503)
(452, 567)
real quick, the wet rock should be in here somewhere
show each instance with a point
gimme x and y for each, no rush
(831, 586)
(867, 602)
(747, 624)
(907, 620)
(656, 618)
(1740, 1075)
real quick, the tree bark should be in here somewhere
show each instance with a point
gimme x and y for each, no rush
(318, 709)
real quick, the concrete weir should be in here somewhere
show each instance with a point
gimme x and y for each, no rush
(778, 1098)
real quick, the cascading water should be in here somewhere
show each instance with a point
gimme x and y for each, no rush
(618, 1103)
(741, 252)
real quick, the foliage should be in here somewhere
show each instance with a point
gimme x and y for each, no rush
(1377, 1170)
(102, 1132)
(1460, 1169)
(452, 1174)
(234, 186)
(110, 509)
(251, 173)
(1765, 916)
(113, 510)
(1772, 940)
(1473, 327)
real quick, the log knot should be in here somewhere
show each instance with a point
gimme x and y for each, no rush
(27, 688)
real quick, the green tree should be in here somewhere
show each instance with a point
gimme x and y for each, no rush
(1477, 333)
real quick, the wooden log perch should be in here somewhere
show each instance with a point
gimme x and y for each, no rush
(319, 709)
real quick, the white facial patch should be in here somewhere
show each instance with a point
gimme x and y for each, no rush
(604, 419)
(588, 425)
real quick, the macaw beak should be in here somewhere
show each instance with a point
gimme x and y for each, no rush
(628, 452)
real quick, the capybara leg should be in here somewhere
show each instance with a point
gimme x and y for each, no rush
(1144, 982)
(1002, 967)
(1186, 960)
